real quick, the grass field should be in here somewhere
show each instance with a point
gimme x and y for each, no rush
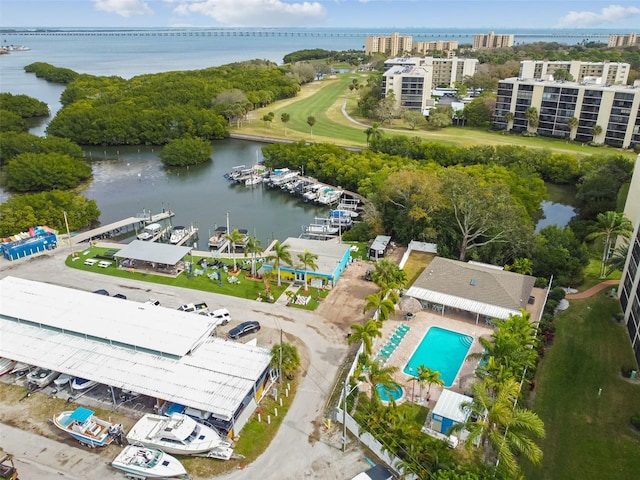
(324, 99)
(583, 400)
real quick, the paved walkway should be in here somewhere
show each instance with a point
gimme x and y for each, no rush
(593, 290)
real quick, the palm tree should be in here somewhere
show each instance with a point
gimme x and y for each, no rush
(532, 119)
(308, 261)
(572, 123)
(311, 121)
(596, 131)
(610, 225)
(387, 274)
(267, 276)
(234, 238)
(285, 117)
(382, 302)
(253, 248)
(280, 255)
(290, 358)
(509, 116)
(365, 333)
(521, 265)
(373, 133)
(377, 375)
(502, 429)
(618, 258)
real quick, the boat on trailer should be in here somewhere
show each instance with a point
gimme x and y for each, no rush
(82, 384)
(141, 462)
(178, 434)
(85, 427)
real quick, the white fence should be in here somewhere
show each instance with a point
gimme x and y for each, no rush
(418, 247)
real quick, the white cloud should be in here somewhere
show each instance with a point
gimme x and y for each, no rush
(124, 8)
(255, 13)
(607, 15)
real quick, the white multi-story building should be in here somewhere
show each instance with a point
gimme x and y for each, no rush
(614, 108)
(491, 40)
(614, 73)
(629, 40)
(629, 289)
(442, 71)
(394, 44)
(411, 85)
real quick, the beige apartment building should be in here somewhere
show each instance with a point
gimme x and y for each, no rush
(411, 85)
(492, 40)
(613, 73)
(629, 40)
(448, 47)
(394, 44)
(614, 108)
(440, 71)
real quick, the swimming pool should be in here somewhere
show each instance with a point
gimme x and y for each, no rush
(442, 351)
(386, 394)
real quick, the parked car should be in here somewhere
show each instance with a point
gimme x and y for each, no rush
(153, 301)
(120, 295)
(102, 291)
(245, 328)
(221, 316)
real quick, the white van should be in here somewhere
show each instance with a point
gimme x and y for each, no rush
(150, 231)
(220, 316)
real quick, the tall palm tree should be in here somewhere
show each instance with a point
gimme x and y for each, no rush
(308, 261)
(373, 133)
(382, 302)
(285, 117)
(618, 258)
(311, 121)
(509, 116)
(610, 225)
(290, 360)
(502, 429)
(253, 248)
(280, 255)
(365, 333)
(596, 131)
(387, 274)
(572, 123)
(532, 119)
(377, 375)
(234, 238)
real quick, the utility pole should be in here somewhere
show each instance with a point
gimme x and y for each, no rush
(66, 222)
(344, 417)
(280, 364)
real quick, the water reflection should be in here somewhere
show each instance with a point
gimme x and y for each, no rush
(555, 214)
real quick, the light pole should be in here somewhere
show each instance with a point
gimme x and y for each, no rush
(66, 222)
(345, 394)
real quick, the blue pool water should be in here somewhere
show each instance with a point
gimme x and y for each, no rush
(386, 394)
(442, 351)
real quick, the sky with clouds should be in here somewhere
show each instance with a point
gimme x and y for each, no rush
(392, 14)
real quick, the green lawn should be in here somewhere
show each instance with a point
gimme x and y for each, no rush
(583, 400)
(246, 287)
(323, 100)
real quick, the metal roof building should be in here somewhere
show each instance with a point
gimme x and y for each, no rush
(154, 351)
(153, 252)
(481, 289)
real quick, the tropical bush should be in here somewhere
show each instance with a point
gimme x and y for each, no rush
(186, 151)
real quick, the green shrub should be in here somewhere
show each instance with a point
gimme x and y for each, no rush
(635, 421)
(626, 371)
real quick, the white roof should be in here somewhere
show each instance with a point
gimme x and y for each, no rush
(330, 254)
(216, 376)
(104, 318)
(154, 252)
(449, 406)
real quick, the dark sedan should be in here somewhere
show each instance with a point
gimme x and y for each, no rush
(245, 328)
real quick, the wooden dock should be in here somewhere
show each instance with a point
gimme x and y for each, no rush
(148, 217)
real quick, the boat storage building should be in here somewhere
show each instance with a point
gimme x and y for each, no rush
(158, 352)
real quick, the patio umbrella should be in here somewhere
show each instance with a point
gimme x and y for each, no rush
(409, 305)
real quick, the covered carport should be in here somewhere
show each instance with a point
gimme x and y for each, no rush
(162, 258)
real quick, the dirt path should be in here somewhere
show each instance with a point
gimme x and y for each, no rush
(592, 291)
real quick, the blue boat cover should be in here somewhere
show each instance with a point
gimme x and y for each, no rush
(81, 414)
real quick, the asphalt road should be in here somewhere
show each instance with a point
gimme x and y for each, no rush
(300, 450)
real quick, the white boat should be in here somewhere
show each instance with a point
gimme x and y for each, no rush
(312, 192)
(343, 213)
(82, 384)
(21, 368)
(253, 180)
(177, 234)
(329, 196)
(6, 365)
(144, 462)
(322, 229)
(150, 231)
(176, 434)
(85, 427)
(282, 175)
(41, 377)
(63, 380)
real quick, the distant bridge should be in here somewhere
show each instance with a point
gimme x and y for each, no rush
(271, 33)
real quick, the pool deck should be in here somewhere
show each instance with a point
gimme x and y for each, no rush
(419, 325)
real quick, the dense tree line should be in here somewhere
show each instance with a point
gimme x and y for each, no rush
(13, 144)
(186, 151)
(12, 122)
(40, 172)
(353, 57)
(155, 109)
(23, 105)
(51, 73)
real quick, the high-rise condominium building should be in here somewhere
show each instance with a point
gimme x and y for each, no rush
(612, 108)
(491, 40)
(441, 71)
(394, 44)
(448, 47)
(629, 40)
(614, 73)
